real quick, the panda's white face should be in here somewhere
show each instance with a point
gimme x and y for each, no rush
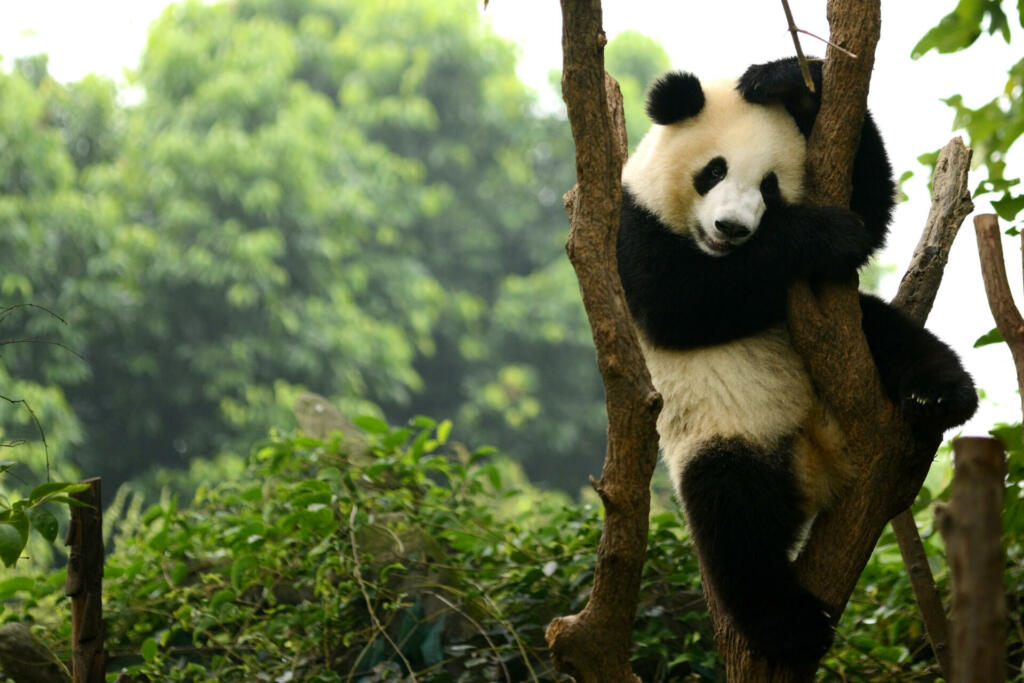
(711, 176)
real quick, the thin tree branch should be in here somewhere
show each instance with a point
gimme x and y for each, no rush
(997, 288)
(805, 71)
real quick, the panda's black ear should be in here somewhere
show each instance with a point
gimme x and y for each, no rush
(673, 97)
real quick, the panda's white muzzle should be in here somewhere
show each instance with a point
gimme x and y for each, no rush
(727, 216)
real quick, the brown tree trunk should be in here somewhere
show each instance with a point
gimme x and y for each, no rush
(594, 645)
(971, 526)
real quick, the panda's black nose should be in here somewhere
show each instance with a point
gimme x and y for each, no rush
(732, 230)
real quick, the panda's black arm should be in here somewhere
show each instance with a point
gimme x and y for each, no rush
(874, 191)
(797, 241)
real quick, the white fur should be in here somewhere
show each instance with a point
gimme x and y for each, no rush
(754, 388)
(754, 140)
(730, 200)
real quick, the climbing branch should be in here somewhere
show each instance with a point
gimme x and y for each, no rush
(594, 645)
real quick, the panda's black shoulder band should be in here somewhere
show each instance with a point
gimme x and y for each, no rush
(675, 96)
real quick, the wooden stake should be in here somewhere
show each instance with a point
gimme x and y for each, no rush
(84, 586)
(971, 526)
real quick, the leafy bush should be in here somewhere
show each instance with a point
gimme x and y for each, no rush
(330, 560)
(370, 555)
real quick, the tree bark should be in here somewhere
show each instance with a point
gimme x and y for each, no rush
(971, 526)
(594, 645)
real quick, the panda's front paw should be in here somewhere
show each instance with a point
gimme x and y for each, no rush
(778, 80)
(935, 407)
(846, 243)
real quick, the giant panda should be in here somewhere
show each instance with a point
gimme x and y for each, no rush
(713, 228)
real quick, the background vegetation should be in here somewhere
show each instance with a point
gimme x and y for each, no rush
(362, 200)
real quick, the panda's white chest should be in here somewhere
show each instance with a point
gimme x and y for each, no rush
(755, 388)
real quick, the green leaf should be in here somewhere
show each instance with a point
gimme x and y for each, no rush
(149, 650)
(221, 597)
(44, 522)
(1009, 206)
(52, 488)
(12, 542)
(443, 430)
(14, 584)
(1010, 435)
(371, 425)
(241, 568)
(993, 336)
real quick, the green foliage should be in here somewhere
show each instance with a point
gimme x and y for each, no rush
(994, 127)
(324, 565)
(961, 27)
(316, 561)
(19, 515)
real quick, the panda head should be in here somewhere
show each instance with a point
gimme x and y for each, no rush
(713, 162)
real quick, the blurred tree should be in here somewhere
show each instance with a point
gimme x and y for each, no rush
(355, 198)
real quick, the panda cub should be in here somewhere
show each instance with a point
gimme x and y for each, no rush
(713, 229)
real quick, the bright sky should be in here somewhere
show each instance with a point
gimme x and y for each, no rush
(710, 39)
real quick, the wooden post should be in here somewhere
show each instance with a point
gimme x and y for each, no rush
(971, 526)
(85, 586)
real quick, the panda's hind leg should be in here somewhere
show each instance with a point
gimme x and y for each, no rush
(922, 376)
(745, 513)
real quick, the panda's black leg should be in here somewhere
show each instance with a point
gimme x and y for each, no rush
(922, 375)
(744, 515)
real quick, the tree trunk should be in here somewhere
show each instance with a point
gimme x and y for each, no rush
(594, 645)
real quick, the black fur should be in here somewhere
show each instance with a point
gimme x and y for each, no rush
(742, 502)
(709, 176)
(874, 190)
(743, 509)
(683, 298)
(673, 97)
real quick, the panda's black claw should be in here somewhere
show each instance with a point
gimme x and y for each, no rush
(938, 407)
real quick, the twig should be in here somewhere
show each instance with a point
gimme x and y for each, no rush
(366, 595)
(793, 30)
(39, 426)
(34, 340)
(828, 42)
(4, 312)
(474, 622)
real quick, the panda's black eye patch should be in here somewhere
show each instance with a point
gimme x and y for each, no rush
(710, 175)
(770, 189)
